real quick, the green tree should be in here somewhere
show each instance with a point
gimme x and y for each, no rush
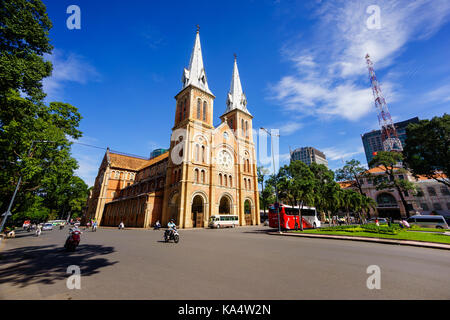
(352, 170)
(264, 194)
(24, 30)
(388, 162)
(25, 119)
(427, 148)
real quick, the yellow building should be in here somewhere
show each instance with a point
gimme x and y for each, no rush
(207, 170)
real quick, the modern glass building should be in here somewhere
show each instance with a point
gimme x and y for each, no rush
(372, 140)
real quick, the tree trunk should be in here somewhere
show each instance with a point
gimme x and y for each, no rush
(405, 204)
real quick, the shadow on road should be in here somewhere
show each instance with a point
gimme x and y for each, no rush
(261, 231)
(47, 264)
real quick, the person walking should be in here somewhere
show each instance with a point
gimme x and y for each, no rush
(121, 225)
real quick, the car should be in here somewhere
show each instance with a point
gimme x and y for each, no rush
(428, 221)
(47, 226)
(380, 220)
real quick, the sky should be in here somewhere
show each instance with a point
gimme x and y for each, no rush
(301, 65)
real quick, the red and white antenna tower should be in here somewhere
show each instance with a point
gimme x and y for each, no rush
(389, 136)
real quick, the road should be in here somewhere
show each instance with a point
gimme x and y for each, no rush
(240, 263)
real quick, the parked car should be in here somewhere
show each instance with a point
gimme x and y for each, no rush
(47, 226)
(428, 221)
(380, 220)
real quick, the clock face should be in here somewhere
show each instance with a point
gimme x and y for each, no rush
(224, 159)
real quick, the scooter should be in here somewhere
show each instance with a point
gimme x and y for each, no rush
(73, 240)
(171, 235)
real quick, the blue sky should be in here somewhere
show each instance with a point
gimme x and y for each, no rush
(301, 64)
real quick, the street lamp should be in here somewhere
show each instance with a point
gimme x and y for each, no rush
(8, 212)
(276, 179)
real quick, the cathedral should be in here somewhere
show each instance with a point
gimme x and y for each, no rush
(206, 171)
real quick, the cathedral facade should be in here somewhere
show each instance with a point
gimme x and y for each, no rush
(207, 171)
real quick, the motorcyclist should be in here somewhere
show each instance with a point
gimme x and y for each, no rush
(157, 225)
(94, 226)
(171, 226)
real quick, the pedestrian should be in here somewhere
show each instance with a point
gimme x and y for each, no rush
(376, 222)
(121, 225)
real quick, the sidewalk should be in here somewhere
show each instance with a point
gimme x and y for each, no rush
(366, 239)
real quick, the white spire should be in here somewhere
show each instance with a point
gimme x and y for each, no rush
(236, 98)
(196, 75)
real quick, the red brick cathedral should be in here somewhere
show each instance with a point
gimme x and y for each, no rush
(207, 170)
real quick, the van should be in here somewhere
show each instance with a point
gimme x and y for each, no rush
(223, 220)
(428, 221)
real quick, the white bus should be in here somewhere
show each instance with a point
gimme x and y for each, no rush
(223, 220)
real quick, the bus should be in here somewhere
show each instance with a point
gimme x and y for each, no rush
(289, 217)
(223, 220)
(57, 222)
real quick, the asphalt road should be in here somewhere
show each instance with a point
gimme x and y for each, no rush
(240, 263)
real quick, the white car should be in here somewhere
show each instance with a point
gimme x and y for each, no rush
(47, 226)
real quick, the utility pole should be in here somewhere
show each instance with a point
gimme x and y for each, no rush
(276, 179)
(8, 212)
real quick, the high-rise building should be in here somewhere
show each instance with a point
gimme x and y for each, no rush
(309, 155)
(372, 140)
(157, 152)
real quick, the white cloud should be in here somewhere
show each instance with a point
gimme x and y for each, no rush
(67, 68)
(330, 77)
(441, 94)
(334, 153)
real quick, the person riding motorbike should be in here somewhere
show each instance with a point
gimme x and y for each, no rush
(157, 225)
(94, 226)
(171, 227)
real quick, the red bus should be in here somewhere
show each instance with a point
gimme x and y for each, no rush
(289, 217)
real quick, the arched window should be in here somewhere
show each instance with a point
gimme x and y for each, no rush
(249, 184)
(242, 126)
(196, 152)
(180, 111)
(225, 179)
(196, 176)
(246, 129)
(184, 109)
(203, 176)
(203, 154)
(248, 165)
(231, 182)
(199, 106)
(205, 105)
(220, 179)
(245, 183)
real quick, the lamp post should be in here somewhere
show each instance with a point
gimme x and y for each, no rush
(276, 179)
(8, 212)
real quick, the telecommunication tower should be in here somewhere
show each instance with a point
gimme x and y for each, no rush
(389, 137)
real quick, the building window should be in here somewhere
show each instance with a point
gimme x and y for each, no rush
(431, 191)
(203, 154)
(242, 126)
(445, 191)
(203, 176)
(225, 179)
(204, 110)
(220, 179)
(246, 129)
(117, 175)
(231, 182)
(196, 152)
(199, 106)
(196, 176)
(419, 192)
(437, 206)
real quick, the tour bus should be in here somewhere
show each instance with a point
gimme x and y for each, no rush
(428, 221)
(223, 220)
(289, 217)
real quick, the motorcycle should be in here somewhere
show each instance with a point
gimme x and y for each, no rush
(73, 240)
(171, 235)
(61, 226)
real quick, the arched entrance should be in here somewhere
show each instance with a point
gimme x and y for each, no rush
(197, 212)
(174, 208)
(248, 212)
(225, 205)
(387, 206)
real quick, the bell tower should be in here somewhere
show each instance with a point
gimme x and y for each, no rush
(193, 116)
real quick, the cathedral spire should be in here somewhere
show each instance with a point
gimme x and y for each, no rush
(195, 74)
(236, 98)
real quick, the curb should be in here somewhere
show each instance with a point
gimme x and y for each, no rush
(373, 240)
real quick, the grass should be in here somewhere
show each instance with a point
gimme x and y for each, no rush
(357, 231)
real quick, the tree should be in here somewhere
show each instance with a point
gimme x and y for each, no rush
(264, 194)
(427, 148)
(24, 31)
(352, 170)
(388, 161)
(26, 121)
